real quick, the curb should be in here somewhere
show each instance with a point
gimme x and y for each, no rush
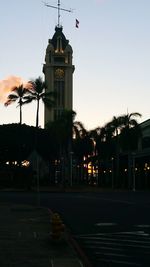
(73, 243)
(79, 251)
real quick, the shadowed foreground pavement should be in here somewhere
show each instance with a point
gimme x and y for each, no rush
(25, 239)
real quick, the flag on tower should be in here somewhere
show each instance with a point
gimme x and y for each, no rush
(77, 23)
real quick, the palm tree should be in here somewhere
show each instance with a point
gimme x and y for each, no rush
(37, 93)
(102, 137)
(83, 147)
(130, 133)
(114, 126)
(18, 93)
(68, 133)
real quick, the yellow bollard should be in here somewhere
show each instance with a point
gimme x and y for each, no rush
(57, 227)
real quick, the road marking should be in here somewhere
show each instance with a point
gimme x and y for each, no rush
(114, 239)
(116, 243)
(104, 248)
(140, 233)
(122, 262)
(105, 224)
(112, 254)
(143, 225)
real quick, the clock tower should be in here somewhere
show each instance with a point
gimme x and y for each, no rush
(58, 70)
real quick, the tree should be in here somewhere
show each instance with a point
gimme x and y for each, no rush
(129, 135)
(83, 148)
(37, 93)
(61, 130)
(102, 137)
(18, 93)
(69, 137)
(114, 127)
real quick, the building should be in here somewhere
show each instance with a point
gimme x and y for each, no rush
(145, 140)
(58, 70)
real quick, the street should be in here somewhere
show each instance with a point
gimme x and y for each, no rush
(112, 228)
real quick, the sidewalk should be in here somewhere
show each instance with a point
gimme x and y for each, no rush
(25, 239)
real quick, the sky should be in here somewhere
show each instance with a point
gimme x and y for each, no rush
(111, 54)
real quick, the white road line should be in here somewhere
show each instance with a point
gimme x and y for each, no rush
(116, 244)
(140, 233)
(123, 234)
(118, 234)
(115, 239)
(113, 254)
(105, 224)
(122, 262)
(108, 248)
(143, 225)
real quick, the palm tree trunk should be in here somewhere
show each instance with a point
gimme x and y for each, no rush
(37, 114)
(20, 113)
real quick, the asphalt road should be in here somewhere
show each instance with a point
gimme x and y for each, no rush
(112, 228)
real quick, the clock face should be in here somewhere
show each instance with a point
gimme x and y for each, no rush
(59, 73)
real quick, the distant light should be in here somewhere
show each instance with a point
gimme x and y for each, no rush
(25, 163)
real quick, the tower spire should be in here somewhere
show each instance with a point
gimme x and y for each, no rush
(58, 7)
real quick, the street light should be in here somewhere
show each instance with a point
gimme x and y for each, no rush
(38, 179)
(71, 176)
(112, 167)
(133, 170)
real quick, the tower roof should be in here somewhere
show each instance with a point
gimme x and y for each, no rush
(59, 34)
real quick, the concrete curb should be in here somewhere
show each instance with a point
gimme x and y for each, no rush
(79, 251)
(72, 242)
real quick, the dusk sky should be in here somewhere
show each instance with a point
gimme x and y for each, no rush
(111, 54)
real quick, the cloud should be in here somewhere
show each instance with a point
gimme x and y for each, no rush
(8, 84)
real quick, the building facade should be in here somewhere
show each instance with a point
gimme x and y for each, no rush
(58, 70)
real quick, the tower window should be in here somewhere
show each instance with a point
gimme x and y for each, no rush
(59, 59)
(50, 57)
(59, 87)
(59, 45)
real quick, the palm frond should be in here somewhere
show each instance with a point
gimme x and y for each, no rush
(27, 101)
(8, 102)
(12, 97)
(48, 102)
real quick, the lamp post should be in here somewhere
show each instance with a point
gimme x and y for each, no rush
(38, 178)
(71, 174)
(133, 170)
(112, 172)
